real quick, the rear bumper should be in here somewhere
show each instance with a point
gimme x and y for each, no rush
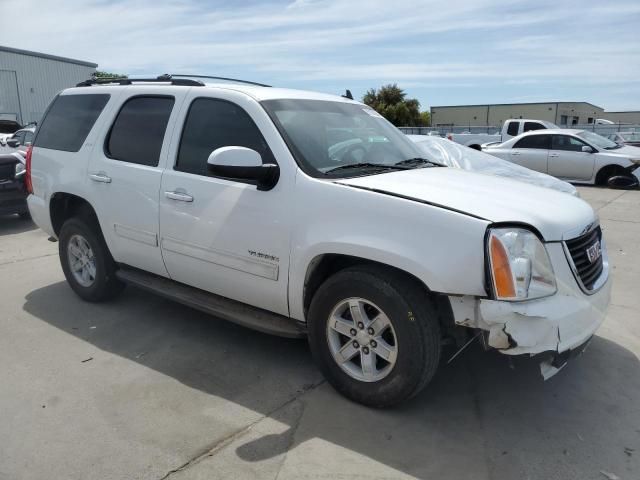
(13, 197)
(39, 210)
(557, 324)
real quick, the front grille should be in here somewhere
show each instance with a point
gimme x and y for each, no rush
(588, 271)
(7, 171)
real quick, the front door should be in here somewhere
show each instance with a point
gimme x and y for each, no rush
(567, 160)
(125, 173)
(221, 235)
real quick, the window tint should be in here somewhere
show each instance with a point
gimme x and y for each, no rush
(533, 141)
(512, 129)
(212, 124)
(138, 131)
(69, 120)
(567, 143)
(528, 126)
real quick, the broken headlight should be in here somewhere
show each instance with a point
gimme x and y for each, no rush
(519, 265)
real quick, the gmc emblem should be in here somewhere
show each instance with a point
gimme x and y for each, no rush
(594, 252)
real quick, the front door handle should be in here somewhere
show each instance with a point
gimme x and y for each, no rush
(554, 155)
(515, 153)
(100, 177)
(179, 196)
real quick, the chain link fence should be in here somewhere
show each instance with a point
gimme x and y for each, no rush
(602, 129)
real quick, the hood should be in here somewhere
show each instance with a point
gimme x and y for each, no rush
(458, 156)
(626, 151)
(496, 199)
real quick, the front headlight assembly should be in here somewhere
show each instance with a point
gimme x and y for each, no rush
(20, 169)
(519, 265)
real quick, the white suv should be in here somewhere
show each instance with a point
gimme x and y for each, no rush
(304, 214)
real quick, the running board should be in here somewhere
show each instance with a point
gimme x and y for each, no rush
(221, 307)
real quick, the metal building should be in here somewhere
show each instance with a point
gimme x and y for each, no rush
(560, 113)
(30, 80)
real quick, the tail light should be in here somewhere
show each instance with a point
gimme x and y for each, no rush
(27, 175)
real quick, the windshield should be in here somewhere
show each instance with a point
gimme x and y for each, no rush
(631, 137)
(326, 135)
(598, 140)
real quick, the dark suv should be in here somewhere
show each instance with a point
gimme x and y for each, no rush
(13, 193)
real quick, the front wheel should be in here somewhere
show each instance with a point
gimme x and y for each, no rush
(374, 334)
(87, 262)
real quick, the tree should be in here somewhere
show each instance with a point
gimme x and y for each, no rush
(390, 101)
(101, 74)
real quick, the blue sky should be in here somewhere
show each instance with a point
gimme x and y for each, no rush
(441, 52)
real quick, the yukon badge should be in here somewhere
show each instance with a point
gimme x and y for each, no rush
(594, 252)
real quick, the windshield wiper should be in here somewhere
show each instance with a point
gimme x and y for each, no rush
(366, 165)
(420, 161)
(615, 147)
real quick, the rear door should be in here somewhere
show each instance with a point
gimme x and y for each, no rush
(125, 172)
(567, 160)
(531, 151)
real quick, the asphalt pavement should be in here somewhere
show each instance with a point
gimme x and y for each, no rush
(143, 388)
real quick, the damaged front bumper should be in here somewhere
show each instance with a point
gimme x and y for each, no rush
(561, 323)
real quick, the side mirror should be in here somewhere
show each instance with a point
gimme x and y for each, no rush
(587, 149)
(13, 142)
(242, 163)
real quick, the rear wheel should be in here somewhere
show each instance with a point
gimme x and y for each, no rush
(86, 261)
(374, 334)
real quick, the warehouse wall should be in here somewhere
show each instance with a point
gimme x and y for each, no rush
(495, 115)
(622, 117)
(32, 82)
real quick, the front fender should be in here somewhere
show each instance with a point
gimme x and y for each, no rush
(442, 248)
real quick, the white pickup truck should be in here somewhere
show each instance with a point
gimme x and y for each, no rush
(511, 128)
(309, 215)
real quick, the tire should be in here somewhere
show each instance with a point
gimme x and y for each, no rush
(414, 332)
(102, 284)
(606, 173)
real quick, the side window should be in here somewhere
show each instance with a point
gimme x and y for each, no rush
(68, 121)
(138, 131)
(529, 126)
(512, 129)
(567, 143)
(211, 124)
(534, 141)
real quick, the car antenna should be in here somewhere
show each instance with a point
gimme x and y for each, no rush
(347, 94)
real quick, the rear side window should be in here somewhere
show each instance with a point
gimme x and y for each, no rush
(528, 126)
(512, 129)
(212, 124)
(138, 131)
(69, 120)
(534, 141)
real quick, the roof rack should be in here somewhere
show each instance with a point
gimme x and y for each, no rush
(130, 81)
(237, 80)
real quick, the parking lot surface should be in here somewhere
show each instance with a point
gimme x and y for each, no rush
(143, 388)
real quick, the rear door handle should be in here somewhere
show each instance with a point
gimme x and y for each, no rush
(515, 153)
(554, 155)
(179, 196)
(100, 177)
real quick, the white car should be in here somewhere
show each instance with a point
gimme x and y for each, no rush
(576, 156)
(309, 215)
(457, 156)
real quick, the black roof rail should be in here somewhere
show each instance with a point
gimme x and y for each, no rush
(130, 81)
(237, 80)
